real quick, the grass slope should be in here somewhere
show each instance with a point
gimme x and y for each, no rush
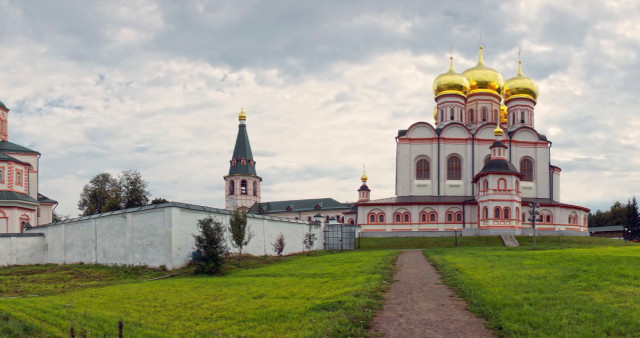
(329, 294)
(570, 292)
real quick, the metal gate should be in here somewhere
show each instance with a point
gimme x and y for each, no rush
(339, 237)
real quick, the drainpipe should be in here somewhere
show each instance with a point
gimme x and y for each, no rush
(439, 163)
(464, 212)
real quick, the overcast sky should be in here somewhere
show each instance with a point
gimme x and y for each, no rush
(156, 86)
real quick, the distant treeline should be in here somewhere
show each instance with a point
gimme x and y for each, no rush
(626, 215)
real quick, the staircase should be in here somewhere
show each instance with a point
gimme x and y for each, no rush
(509, 240)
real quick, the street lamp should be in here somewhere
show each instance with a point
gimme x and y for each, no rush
(455, 233)
(533, 218)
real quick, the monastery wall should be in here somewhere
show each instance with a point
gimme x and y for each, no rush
(152, 235)
(19, 249)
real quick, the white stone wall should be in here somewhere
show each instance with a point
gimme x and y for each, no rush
(19, 249)
(157, 236)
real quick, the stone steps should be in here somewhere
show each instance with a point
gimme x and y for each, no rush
(509, 240)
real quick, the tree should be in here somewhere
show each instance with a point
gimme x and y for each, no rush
(105, 193)
(239, 231)
(133, 189)
(309, 239)
(278, 245)
(633, 220)
(159, 200)
(100, 195)
(210, 246)
(58, 218)
(617, 215)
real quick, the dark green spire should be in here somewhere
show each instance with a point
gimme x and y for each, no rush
(242, 162)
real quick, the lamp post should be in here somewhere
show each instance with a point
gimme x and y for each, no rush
(533, 218)
(455, 233)
(624, 234)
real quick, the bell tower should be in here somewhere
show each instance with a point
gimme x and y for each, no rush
(4, 122)
(242, 184)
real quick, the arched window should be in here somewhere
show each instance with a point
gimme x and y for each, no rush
(522, 116)
(549, 218)
(451, 114)
(423, 171)
(507, 213)
(496, 213)
(485, 185)
(524, 217)
(432, 217)
(502, 183)
(454, 168)
(441, 114)
(526, 169)
(495, 113)
(450, 217)
(423, 217)
(458, 217)
(352, 221)
(407, 217)
(255, 188)
(243, 187)
(470, 119)
(517, 185)
(232, 187)
(397, 218)
(485, 213)
(381, 218)
(517, 212)
(484, 114)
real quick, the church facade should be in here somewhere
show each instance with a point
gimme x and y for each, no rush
(482, 166)
(21, 205)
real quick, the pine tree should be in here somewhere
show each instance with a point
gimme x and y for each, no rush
(633, 220)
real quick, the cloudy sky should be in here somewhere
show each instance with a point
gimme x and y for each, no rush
(156, 86)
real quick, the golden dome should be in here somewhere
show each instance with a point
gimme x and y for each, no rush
(483, 79)
(498, 130)
(450, 83)
(363, 178)
(520, 86)
(242, 115)
(435, 114)
(503, 114)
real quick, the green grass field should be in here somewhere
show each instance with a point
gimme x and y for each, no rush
(586, 287)
(327, 294)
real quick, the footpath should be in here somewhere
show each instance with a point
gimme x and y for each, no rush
(419, 304)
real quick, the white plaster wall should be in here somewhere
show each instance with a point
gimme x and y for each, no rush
(80, 242)
(22, 250)
(113, 245)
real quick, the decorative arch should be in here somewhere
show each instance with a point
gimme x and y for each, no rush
(428, 215)
(506, 213)
(485, 184)
(485, 213)
(401, 216)
(421, 130)
(453, 215)
(243, 187)
(470, 116)
(502, 184)
(497, 212)
(484, 114)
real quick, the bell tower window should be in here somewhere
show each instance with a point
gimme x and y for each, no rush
(484, 114)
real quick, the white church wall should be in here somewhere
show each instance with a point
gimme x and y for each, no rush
(22, 249)
(114, 238)
(80, 242)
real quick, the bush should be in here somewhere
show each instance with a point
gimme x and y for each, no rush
(309, 239)
(278, 245)
(210, 246)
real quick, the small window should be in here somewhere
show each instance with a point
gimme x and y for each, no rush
(234, 162)
(1, 175)
(380, 218)
(398, 218)
(506, 213)
(450, 217)
(548, 218)
(502, 184)
(423, 170)
(517, 212)
(243, 161)
(470, 115)
(459, 217)
(522, 116)
(485, 213)
(484, 114)
(452, 114)
(485, 185)
(255, 188)
(496, 213)
(407, 218)
(423, 217)
(19, 177)
(372, 218)
(496, 114)
(432, 217)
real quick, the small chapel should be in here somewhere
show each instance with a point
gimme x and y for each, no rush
(21, 205)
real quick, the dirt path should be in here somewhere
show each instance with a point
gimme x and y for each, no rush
(420, 305)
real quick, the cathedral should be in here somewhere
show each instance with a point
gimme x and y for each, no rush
(21, 205)
(480, 168)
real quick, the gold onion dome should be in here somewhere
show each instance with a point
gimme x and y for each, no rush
(363, 178)
(435, 114)
(242, 115)
(498, 130)
(483, 79)
(503, 114)
(520, 86)
(450, 83)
